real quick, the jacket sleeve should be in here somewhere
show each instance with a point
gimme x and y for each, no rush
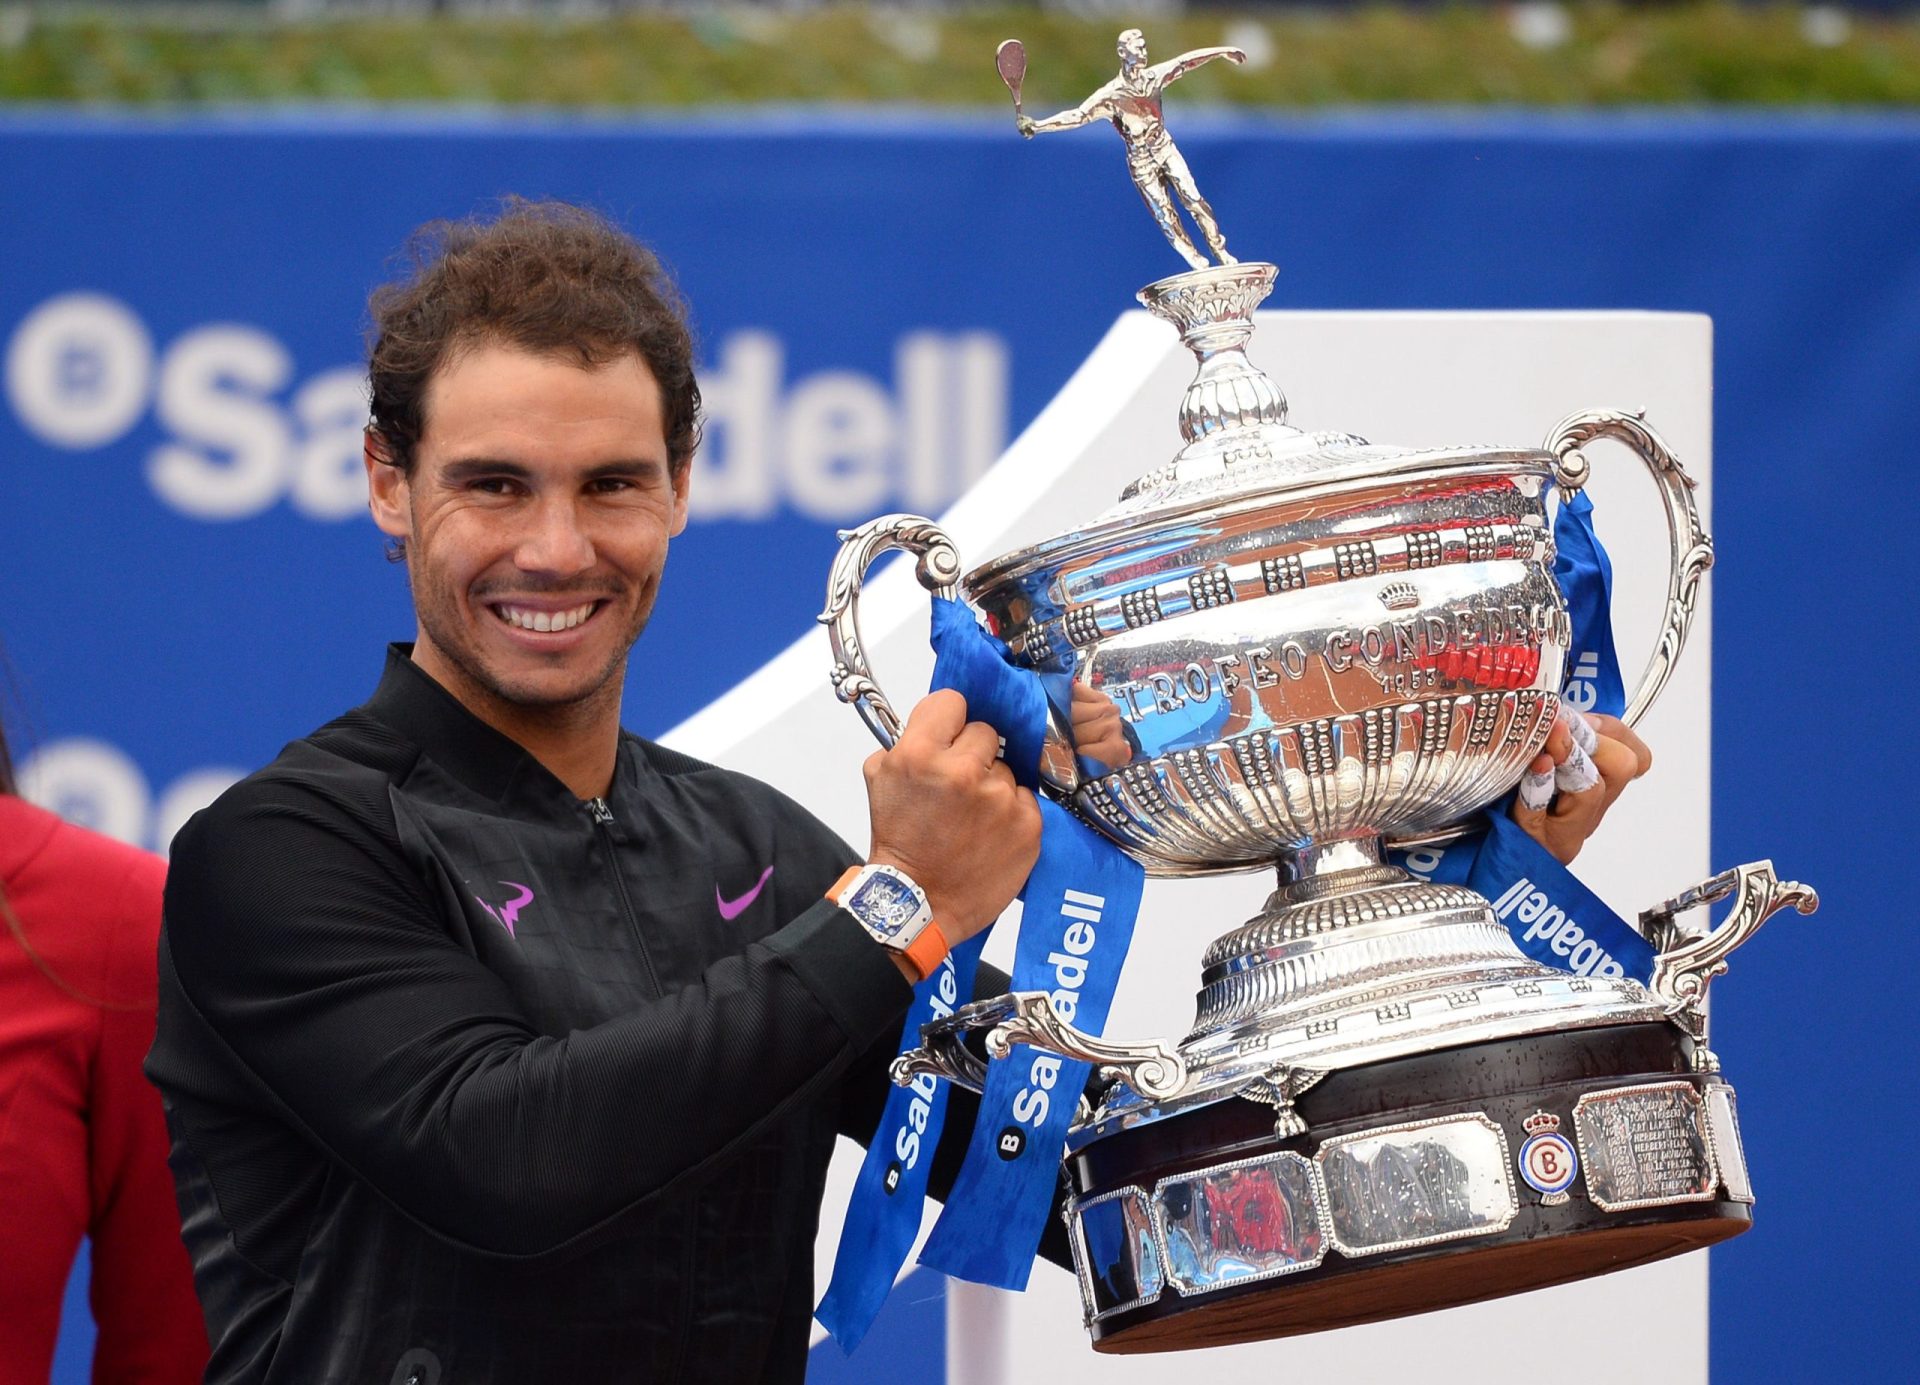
(864, 1097)
(301, 940)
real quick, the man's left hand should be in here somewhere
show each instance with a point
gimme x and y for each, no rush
(1563, 825)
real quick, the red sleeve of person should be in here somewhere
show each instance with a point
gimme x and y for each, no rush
(83, 1143)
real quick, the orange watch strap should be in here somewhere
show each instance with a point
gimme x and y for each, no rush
(926, 950)
(839, 887)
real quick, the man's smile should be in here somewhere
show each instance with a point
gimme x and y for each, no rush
(542, 619)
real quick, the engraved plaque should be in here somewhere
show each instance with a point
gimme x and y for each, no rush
(1414, 1185)
(1644, 1146)
(1723, 1130)
(1252, 1219)
(1115, 1254)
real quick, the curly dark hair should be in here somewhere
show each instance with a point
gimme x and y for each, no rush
(547, 277)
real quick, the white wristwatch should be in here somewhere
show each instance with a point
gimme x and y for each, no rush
(895, 911)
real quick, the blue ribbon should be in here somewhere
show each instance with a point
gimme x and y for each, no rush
(1079, 907)
(1586, 577)
(1554, 918)
(884, 1215)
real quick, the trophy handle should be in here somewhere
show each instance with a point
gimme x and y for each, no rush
(1153, 1069)
(938, 571)
(1688, 959)
(1690, 548)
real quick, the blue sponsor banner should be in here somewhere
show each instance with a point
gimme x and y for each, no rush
(882, 301)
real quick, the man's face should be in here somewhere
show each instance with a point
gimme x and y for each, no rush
(536, 523)
(1133, 49)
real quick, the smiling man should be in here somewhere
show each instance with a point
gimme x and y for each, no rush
(498, 1044)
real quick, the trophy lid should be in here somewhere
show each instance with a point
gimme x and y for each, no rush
(1170, 498)
(1240, 453)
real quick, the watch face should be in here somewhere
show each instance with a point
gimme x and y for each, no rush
(884, 904)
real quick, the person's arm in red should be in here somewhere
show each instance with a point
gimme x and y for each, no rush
(150, 1327)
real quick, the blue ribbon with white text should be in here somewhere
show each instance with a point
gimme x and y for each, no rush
(1554, 918)
(1079, 907)
(1076, 924)
(891, 1187)
(1585, 574)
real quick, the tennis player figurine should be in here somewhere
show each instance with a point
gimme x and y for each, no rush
(1132, 102)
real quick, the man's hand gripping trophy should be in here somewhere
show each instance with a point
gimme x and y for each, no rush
(1132, 102)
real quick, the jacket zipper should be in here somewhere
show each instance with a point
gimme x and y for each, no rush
(603, 823)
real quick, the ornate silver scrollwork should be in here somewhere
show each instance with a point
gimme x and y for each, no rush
(1153, 1069)
(943, 1053)
(1690, 547)
(1689, 959)
(938, 571)
(1212, 309)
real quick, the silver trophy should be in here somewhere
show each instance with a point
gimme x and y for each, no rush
(1293, 650)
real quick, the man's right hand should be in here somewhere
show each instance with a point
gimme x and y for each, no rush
(1024, 124)
(945, 809)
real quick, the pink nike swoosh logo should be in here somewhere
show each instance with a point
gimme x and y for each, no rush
(508, 914)
(733, 908)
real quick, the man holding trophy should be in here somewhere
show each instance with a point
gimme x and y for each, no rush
(498, 1043)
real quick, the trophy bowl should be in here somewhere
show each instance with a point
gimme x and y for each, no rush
(1286, 641)
(1287, 670)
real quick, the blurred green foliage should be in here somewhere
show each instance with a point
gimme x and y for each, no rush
(1586, 55)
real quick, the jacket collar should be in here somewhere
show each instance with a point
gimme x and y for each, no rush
(487, 761)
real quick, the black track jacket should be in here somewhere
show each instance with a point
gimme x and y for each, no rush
(472, 1081)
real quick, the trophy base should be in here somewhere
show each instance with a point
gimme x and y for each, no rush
(1424, 1285)
(1422, 1183)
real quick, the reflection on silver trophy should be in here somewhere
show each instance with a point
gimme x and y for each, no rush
(1296, 650)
